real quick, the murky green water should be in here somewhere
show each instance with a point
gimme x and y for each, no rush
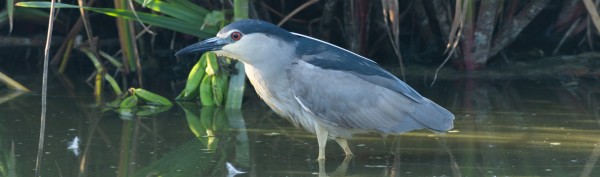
(502, 128)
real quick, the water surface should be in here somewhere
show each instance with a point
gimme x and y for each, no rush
(502, 128)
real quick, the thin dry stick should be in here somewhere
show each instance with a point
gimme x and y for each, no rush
(457, 23)
(391, 17)
(455, 42)
(146, 28)
(567, 34)
(86, 25)
(38, 161)
(588, 34)
(591, 8)
(287, 17)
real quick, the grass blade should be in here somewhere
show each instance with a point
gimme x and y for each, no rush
(10, 7)
(127, 40)
(12, 83)
(113, 84)
(110, 59)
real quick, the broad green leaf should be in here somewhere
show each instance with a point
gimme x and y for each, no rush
(152, 19)
(187, 4)
(174, 11)
(206, 95)
(219, 84)
(195, 77)
(151, 97)
(129, 102)
(212, 66)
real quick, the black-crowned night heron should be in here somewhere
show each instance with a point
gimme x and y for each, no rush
(323, 88)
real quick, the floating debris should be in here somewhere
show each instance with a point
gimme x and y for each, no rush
(272, 134)
(453, 131)
(376, 166)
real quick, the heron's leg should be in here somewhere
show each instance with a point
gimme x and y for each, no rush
(322, 135)
(344, 144)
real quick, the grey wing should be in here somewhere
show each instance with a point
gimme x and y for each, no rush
(344, 99)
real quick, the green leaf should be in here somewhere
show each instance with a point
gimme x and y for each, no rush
(171, 23)
(10, 9)
(93, 58)
(190, 6)
(151, 97)
(174, 11)
(40, 4)
(206, 95)
(113, 84)
(212, 66)
(114, 103)
(195, 77)
(219, 85)
(111, 59)
(129, 102)
(214, 18)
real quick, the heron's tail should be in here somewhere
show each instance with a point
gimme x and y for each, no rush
(433, 116)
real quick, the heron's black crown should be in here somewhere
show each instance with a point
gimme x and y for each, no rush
(249, 26)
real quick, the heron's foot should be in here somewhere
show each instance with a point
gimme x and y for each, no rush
(344, 144)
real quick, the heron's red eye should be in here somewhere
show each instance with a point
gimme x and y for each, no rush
(236, 36)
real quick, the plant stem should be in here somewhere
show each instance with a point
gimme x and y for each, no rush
(38, 161)
(235, 92)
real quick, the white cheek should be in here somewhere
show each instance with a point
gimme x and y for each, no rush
(257, 48)
(247, 48)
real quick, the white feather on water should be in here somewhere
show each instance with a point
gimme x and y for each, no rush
(74, 146)
(231, 170)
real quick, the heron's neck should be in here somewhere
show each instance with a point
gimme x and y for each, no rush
(266, 68)
(270, 72)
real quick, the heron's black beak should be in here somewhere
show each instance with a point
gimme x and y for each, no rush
(211, 44)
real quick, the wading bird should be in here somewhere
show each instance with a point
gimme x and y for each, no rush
(325, 89)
